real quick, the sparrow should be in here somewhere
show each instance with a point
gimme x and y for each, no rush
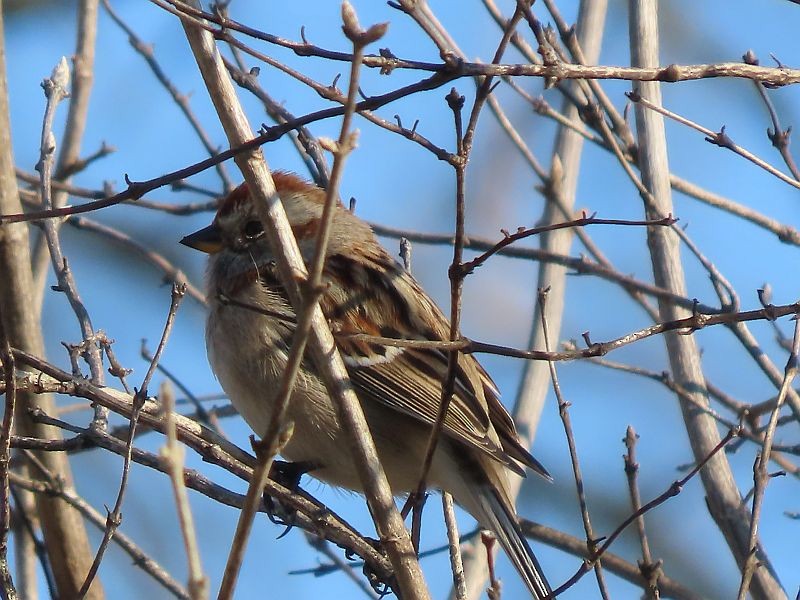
(249, 333)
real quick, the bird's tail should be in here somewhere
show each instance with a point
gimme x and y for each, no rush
(496, 514)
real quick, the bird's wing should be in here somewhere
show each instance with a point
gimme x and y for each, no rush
(377, 297)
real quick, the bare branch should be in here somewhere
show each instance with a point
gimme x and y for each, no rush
(65, 535)
(650, 570)
(760, 474)
(379, 497)
(671, 492)
(563, 412)
(173, 455)
(718, 138)
(722, 492)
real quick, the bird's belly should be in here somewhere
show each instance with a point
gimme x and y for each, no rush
(317, 437)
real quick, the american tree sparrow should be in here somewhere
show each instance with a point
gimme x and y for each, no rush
(366, 291)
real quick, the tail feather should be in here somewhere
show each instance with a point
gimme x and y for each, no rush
(500, 518)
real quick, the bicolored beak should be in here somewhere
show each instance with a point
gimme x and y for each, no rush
(208, 239)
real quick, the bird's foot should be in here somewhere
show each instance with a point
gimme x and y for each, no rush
(287, 474)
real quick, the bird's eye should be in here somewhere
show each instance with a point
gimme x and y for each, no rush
(253, 229)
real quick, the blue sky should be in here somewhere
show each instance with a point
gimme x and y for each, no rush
(398, 183)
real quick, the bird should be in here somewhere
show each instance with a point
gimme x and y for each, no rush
(249, 331)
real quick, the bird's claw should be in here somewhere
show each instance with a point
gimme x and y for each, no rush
(287, 474)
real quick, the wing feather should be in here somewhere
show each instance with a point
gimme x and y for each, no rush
(360, 299)
(374, 295)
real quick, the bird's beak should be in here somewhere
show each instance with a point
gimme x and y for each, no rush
(206, 240)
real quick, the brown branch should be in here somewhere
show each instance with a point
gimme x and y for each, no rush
(9, 374)
(522, 233)
(52, 488)
(650, 570)
(563, 412)
(776, 76)
(760, 475)
(673, 490)
(64, 534)
(180, 99)
(718, 138)
(388, 522)
(311, 515)
(684, 326)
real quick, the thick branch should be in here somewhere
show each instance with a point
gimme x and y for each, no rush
(722, 493)
(379, 496)
(64, 533)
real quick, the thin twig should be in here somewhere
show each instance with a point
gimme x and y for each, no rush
(180, 99)
(9, 374)
(55, 89)
(322, 546)
(456, 272)
(173, 455)
(178, 292)
(456, 564)
(510, 238)
(202, 414)
(417, 498)
(673, 490)
(650, 570)
(114, 518)
(563, 411)
(777, 135)
(52, 487)
(22, 513)
(718, 138)
(760, 474)
(684, 326)
(170, 272)
(611, 562)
